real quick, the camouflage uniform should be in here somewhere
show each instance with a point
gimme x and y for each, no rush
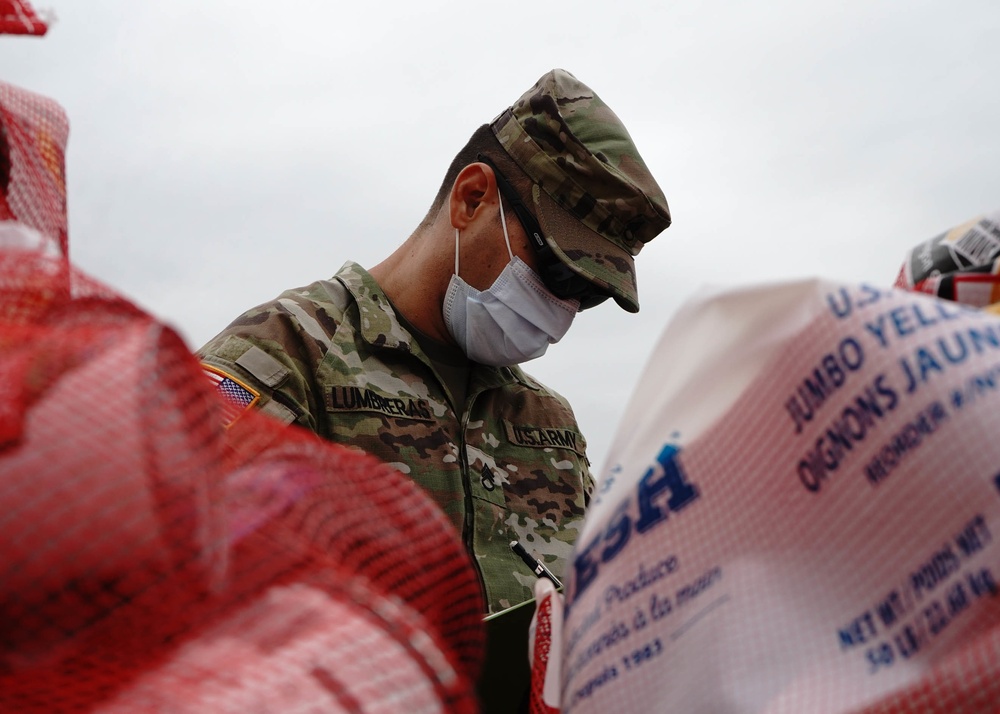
(510, 464)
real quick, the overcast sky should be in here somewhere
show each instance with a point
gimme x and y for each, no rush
(222, 151)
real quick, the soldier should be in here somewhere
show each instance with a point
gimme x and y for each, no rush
(416, 361)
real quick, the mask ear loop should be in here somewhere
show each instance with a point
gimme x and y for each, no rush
(503, 224)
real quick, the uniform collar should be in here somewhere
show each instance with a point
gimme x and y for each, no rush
(380, 326)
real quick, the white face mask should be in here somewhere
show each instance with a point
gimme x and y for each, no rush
(512, 321)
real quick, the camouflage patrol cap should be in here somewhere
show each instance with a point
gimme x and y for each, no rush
(596, 201)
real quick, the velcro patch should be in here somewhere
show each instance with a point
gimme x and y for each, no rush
(362, 399)
(545, 437)
(237, 397)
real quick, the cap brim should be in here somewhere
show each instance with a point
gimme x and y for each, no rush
(587, 252)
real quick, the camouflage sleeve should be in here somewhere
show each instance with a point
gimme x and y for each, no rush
(267, 357)
(585, 474)
(588, 483)
(588, 478)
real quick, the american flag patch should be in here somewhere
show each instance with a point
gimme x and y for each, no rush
(237, 397)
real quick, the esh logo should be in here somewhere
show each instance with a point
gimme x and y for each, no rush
(663, 489)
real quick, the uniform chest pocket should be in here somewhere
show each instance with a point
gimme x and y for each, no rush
(515, 463)
(401, 429)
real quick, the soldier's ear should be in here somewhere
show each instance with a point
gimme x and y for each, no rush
(475, 188)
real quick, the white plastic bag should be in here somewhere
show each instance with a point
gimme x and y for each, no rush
(798, 513)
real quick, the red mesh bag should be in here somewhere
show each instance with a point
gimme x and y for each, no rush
(966, 681)
(154, 562)
(545, 636)
(33, 134)
(18, 18)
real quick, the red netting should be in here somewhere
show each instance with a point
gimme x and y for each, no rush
(33, 134)
(967, 681)
(153, 562)
(18, 18)
(542, 658)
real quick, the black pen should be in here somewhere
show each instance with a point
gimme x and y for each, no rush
(536, 567)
